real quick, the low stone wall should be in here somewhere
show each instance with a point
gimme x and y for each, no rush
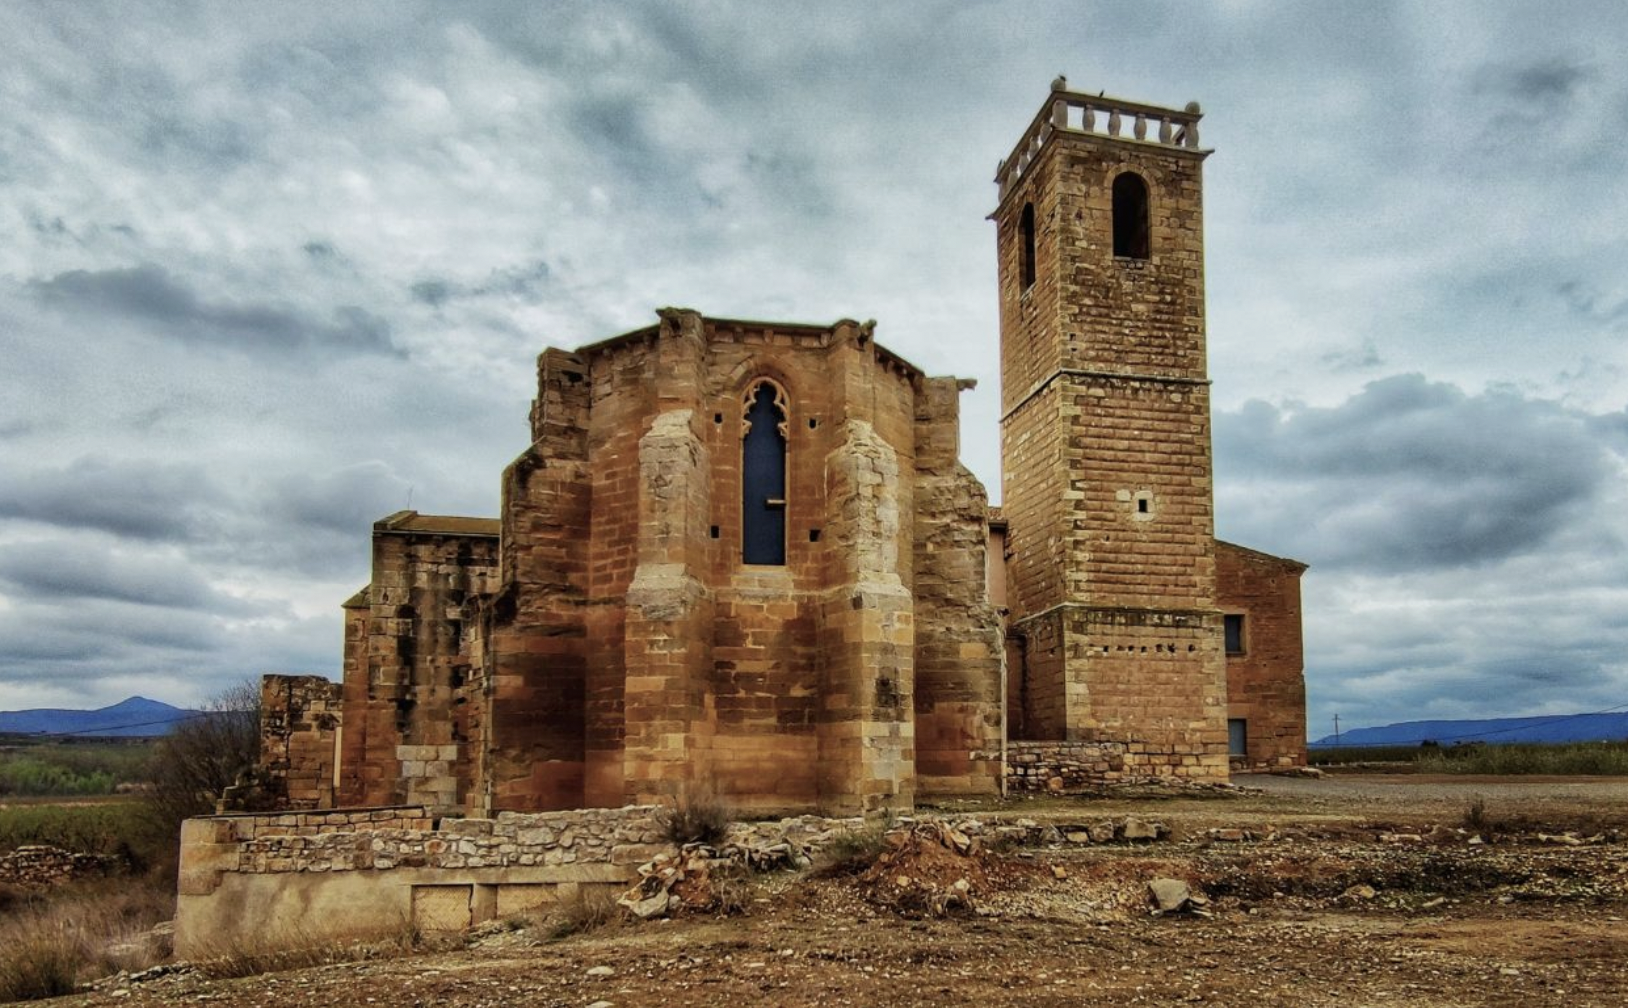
(37, 866)
(301, 878)
(1069, 767)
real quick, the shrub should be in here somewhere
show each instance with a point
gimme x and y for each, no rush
(697, 818)
(851, 853)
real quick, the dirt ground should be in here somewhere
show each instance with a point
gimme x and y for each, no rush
(1349, 891)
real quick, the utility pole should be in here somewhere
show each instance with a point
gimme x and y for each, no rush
(1336, 729)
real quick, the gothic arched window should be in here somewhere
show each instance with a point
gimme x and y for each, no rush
(763, 475)
(1026, 232)
(1131, 231)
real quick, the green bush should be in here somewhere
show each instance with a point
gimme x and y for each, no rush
(1606, 759)
(109, 827)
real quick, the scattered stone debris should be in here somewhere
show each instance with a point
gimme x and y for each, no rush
(1170, 896)
(1309, 772)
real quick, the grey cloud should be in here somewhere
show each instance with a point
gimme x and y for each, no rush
(1407, 475)
(1586, 300)
(142, 500)
(524, 283)
(345, 501)
(95, 635)
(434, 293)
(61, 569)
(1545, 83)
(152, 295)
(1365, 357)
(1613, 428)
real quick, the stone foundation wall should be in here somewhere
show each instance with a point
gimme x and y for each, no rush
(255, 881)
(1066, 767)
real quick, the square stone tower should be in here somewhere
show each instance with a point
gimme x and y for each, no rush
(1105, 436)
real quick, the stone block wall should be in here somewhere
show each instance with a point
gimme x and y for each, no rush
(300, 718)
(1106, 453)
(258, 881)
(407, 689)
(1075, 767)
(669, 666)
(1266, 686)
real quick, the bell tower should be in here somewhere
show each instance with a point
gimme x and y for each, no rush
(1105, 435)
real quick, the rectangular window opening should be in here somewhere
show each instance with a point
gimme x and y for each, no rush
(1234, 632)
(1237, 738)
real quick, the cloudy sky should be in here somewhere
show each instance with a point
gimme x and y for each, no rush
(270, 272)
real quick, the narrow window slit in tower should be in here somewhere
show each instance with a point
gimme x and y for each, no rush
(1131, 231)
(1026, 227)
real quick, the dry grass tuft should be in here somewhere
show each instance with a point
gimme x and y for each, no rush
(595, 908)
(50, 942)
(292, 949)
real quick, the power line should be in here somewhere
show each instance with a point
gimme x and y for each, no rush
(91, 732)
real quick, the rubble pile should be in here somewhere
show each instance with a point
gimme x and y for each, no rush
(927, 868)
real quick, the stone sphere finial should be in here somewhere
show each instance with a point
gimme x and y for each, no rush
(1192, 107)
(1060, 84)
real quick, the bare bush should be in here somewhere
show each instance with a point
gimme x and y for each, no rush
(202, 757)
(698, 818)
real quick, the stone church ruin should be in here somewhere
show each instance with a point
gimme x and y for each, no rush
(742, 558)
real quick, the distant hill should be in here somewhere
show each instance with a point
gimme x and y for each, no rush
(1564, 728)
(130, 718)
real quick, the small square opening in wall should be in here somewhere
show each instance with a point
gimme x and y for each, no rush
(713, 531)
(717, 418)
(813, 422)
(813, 535)
(1142, 505)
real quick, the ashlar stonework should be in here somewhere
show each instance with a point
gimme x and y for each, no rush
(742, 559)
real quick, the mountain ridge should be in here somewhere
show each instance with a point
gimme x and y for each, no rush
(132, 717)
(1550, 728)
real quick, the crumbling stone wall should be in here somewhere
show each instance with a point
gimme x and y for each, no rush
(408, 676)
(959, 636)
(299, 734)
(39, 866)
(1266, 685)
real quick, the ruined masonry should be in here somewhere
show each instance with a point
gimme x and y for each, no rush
(742, 559)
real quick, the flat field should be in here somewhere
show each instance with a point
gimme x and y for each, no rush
(1350, 891)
